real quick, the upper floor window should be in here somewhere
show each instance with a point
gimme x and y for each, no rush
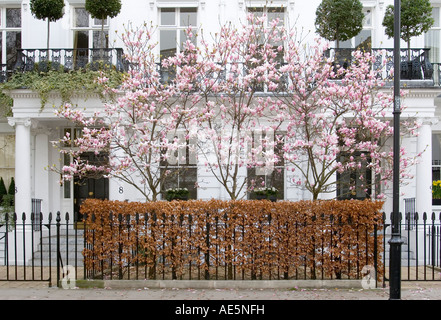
(174, 23)
(432, 38)
(87, 30)
(363, 40)
(10, 35)
(270, 13)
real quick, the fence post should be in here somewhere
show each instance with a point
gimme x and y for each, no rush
(433, 242)
(376, 253)
(58, 219)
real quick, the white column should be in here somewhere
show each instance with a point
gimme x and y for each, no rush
(22, 165)
(20, 248)
(41, 181)
(424, 169)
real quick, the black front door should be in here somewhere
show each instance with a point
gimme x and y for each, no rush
(94, 187)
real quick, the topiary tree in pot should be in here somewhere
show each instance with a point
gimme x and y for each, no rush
(50, 10)
(339, 20)
(101, 9)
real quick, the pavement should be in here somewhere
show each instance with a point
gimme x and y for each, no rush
(412, 290)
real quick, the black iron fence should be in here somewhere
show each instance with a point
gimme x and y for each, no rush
(58, 246)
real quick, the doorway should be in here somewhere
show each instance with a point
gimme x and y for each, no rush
(93, 187)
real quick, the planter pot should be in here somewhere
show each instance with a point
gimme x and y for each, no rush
(436, 202)
(182, 198)
(272, 198)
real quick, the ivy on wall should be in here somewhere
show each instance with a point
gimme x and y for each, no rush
(66, 84)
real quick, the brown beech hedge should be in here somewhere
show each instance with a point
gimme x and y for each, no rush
(232, 239)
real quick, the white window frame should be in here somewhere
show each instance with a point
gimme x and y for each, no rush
(4, 29)
(92, 26)
(176, 27)
(435, 57)
(350, 44)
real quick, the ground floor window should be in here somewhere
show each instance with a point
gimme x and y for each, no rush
(355, 183)
(180, 170)
(268, 178)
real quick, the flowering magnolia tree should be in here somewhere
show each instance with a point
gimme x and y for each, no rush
(338, 133)
(137, 128)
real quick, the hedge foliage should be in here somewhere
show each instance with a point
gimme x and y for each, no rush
(225, 239)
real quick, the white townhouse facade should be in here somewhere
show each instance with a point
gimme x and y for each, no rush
(27, 132)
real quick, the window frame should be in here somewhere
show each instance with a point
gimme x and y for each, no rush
(181, 168)
(4, 29)
(90, 29)
(353, 176)
(351, 44)
(177, 27)
(434, 56)
(279, 140)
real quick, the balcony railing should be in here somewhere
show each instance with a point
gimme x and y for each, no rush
(415, 63)
(68, 59)
(417, 67)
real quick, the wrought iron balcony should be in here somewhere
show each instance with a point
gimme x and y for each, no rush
(415, 64)
(417, 67)
(64, 59)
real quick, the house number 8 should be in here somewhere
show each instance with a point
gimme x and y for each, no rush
(121, 190)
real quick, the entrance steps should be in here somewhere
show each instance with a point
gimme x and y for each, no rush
(71, 247)
(408, 257)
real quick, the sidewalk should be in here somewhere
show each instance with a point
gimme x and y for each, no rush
(41, 291)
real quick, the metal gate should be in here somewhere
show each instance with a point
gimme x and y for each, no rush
(39, 248)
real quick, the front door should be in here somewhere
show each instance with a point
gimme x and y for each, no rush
(96, 187)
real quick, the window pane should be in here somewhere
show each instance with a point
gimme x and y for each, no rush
(81, 40)
(98, 41)
(13, 42)
(167, 43)
(98, 22)
(182, 177)
(187, 179)
(168, 17)
(276, 13)
(432, 41)
(81, 45)
(350, 185)
(13, 17)
(257, 12)
(81, 18)
(188, 17)
(367, 21)
(184, 38)
(435, 16)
